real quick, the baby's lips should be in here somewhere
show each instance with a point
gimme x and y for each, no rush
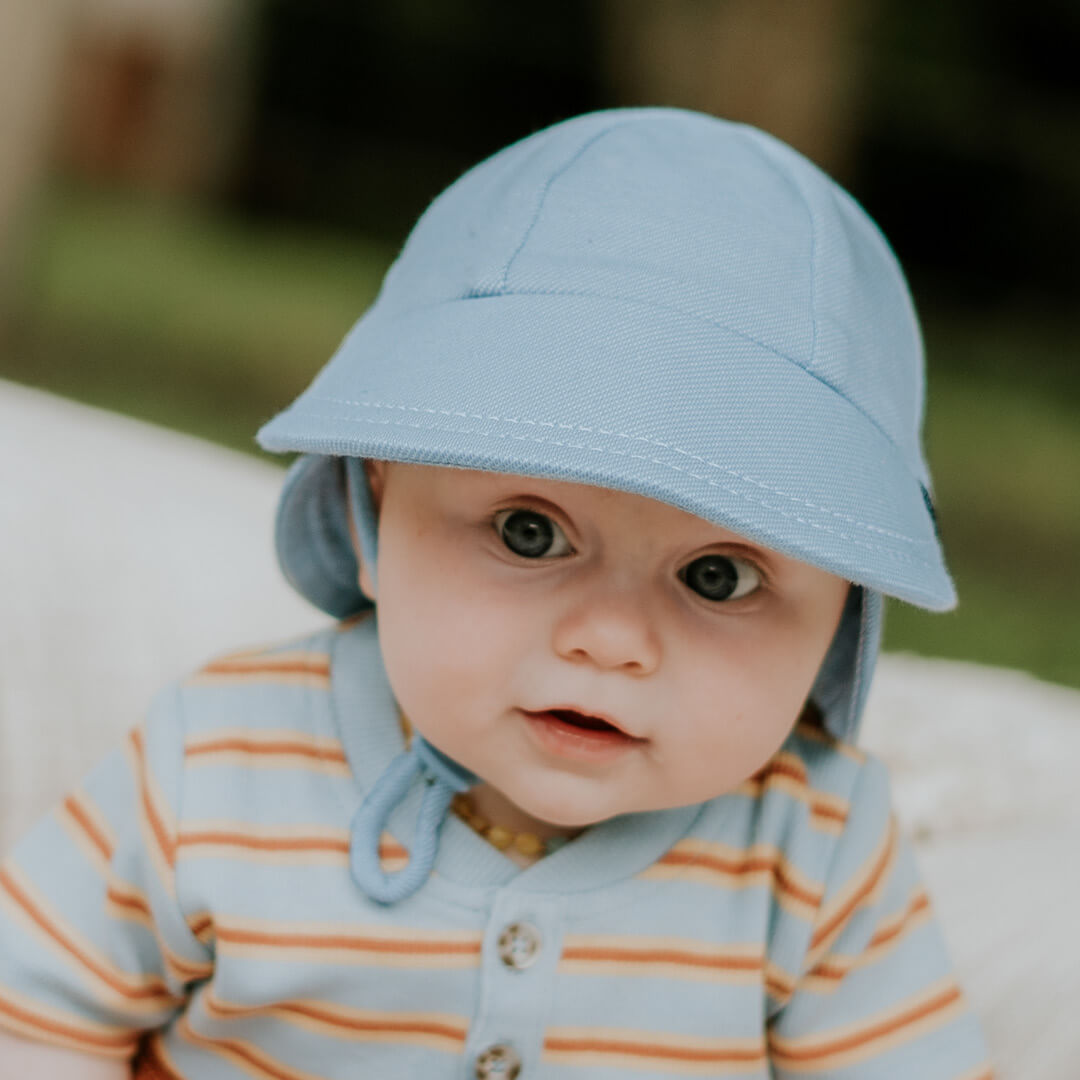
(593, 721)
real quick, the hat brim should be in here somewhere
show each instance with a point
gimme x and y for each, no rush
(703, 418)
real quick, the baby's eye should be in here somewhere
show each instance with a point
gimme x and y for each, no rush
(721, 577)
(531, 534)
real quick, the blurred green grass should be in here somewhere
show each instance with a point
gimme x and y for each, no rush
(210, 325)
(187, 318)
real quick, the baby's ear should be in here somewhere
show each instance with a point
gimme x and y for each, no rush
(375, 471)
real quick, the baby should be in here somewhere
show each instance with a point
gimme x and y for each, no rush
(626, 454)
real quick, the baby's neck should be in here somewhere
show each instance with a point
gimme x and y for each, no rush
(495, 807)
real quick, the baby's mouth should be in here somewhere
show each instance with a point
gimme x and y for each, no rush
(591, 723)
(582, 721)
(568, 733)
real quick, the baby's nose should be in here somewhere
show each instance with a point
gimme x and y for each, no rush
(610, 629)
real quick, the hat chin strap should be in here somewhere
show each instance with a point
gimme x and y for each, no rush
(843, 680)
(442, 777)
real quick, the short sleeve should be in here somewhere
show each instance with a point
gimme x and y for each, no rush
(876, 997)
(94, 946)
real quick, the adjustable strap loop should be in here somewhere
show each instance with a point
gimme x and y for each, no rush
(442, 778)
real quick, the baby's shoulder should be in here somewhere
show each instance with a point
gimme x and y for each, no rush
(250, 693)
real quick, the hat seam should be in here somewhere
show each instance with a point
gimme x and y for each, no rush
(846, 518)
(500, 288)
(896, 556)
(761, 149)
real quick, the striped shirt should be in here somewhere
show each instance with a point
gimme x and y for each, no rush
(191, 904)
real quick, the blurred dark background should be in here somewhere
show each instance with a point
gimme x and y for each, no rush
(198, 197)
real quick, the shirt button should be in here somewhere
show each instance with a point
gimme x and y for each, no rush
(498, 1062)
(519, 945)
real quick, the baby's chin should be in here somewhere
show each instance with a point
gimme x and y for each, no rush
(542, 816)
(570, 819)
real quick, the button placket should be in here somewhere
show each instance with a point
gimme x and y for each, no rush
(517, 980)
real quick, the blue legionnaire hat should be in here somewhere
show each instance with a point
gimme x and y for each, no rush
(659, 302)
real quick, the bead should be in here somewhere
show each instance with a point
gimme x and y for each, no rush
(528, 843)
(500, 837)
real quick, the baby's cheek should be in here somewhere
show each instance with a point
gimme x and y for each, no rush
(737, 724)
(438, 657)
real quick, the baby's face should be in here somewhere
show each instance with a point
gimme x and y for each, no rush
(513, 610)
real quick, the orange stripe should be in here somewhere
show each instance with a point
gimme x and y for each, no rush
(126, 902)
(781, 766)
(132, 902)
(280, 746)
(868, 886)
(248, 1055)
(919, 903)
(629, 954)
(199, 924)
(778, 982)
(786, 766)
(816, 734)
(82, 818)
(262, 843)
(337, 843)
(949, 996)
(269, 666)
(333, 1018)
(748, 865)
(751, 864)
(790, 887)
(235, 936)
(835, 968)
(121, 1044)
(161, 834)
(154, 987)
(826, 810)
(565, 1044)
(398, 1027)
(391, 849)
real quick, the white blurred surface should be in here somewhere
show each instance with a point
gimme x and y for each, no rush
(129, 555)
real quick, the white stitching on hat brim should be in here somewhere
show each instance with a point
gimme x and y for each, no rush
(320, 445)
(847, 519)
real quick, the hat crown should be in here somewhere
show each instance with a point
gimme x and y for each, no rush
(684, 212)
